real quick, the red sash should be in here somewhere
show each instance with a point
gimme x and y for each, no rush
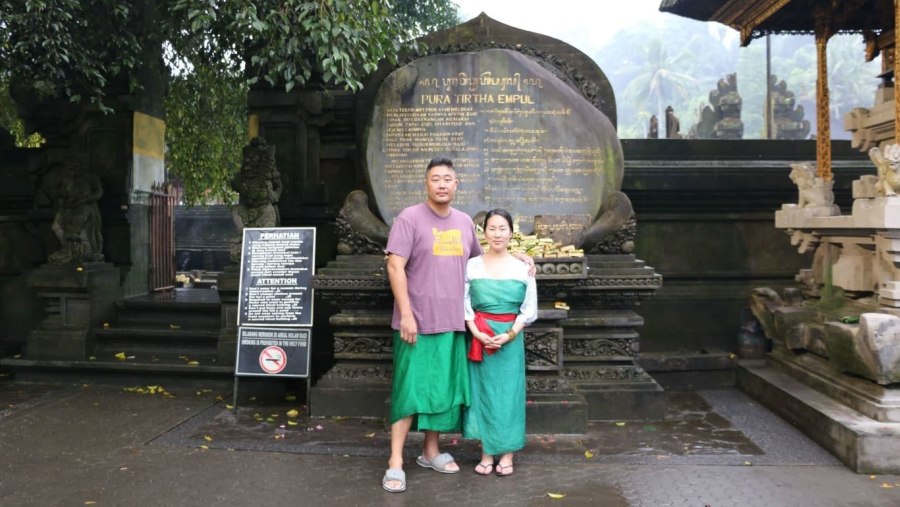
(476, 348)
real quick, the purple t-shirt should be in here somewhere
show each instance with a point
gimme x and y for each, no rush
(436, 250)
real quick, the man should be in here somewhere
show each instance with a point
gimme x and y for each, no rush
(428, 247)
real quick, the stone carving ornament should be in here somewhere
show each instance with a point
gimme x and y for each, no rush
(359, 230)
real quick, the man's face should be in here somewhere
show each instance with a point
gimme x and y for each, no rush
(440, 183)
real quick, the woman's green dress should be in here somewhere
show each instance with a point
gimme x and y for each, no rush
(496, 415)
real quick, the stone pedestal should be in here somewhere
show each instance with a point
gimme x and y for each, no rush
(580, 362)
(75, 297)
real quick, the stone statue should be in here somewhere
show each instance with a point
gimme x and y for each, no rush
(359, 230)
(813, 191)
(653, 133)
(259, 186)
(723, 120)
(76, 221)
(787, 119)
(888, 165)
(673, 125)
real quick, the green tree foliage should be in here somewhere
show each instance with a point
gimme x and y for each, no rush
(73, 49)
(645, 73)
(211, 106)
(659, 78)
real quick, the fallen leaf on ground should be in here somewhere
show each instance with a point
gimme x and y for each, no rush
(174, 326)
(886, 485)
(588, 454)
(370, 435)
(204, 447)
(290, 397)
(292, 423)
(193, 363)
(120, 356)
(89, 502)
(207, 438)
(748, 463)
(293, 412)
(620, 424)
(556, 496)
(229, 407)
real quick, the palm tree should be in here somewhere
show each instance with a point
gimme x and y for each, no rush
(660, 78)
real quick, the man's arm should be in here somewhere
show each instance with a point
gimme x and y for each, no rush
(396, 267)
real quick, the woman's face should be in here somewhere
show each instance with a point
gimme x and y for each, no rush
(497, 233)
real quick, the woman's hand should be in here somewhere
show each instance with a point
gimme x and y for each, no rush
(498, 341)
(482, 337)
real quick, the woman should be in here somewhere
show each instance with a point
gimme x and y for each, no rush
(500, 300)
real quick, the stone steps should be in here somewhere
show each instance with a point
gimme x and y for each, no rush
(865, 445)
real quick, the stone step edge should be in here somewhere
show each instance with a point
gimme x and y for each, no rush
(795, 402)
(119, 366)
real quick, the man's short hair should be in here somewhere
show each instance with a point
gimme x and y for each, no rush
(436, 161)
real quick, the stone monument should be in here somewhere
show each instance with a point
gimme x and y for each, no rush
(525, 136)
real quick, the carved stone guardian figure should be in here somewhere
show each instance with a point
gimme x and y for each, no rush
(813, 191)
(259, 185)
(888, 164)
(76, 221)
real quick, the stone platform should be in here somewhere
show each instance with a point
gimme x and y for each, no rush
(852, 418)
(581, 362)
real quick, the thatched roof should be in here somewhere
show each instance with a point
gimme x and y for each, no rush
(754, 18)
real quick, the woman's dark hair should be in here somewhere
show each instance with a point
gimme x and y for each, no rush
(498, 211)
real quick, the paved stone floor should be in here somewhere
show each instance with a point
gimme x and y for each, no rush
(86, 444)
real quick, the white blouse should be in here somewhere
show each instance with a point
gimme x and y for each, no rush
(527, 311)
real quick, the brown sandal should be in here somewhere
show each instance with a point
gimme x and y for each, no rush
(501, 470)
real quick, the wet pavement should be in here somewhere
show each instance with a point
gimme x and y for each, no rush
(87, 444)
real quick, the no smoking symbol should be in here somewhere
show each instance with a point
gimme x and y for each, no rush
(272, 359)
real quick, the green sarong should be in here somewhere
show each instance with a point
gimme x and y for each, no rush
(496, 415)
(431, 381)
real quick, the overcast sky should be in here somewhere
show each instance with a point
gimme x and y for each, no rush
(585, 24)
